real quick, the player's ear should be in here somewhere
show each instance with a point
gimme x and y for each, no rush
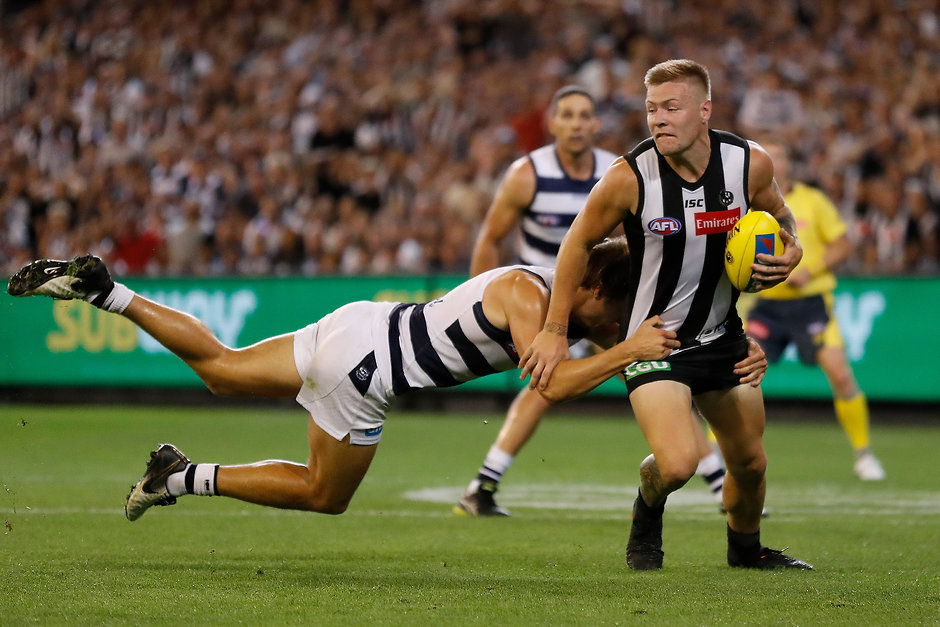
(706, 110)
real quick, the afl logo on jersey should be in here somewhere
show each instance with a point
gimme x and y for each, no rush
(664, 226)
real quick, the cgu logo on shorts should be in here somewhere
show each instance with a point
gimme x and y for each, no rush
(642, 367)
(664, 226)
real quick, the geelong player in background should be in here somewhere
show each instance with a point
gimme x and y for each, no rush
(677, 194)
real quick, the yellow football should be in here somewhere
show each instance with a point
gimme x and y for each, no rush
(756, 232)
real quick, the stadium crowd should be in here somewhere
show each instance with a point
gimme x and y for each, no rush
(272, 137)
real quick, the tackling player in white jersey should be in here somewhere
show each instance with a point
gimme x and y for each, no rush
(347, 368)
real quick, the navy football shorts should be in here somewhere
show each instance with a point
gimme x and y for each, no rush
(802, 321)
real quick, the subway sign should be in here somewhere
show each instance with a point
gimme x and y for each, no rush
(68, 343)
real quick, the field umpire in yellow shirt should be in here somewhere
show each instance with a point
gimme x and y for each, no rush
(800, 309)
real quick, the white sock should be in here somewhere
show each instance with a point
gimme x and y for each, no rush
(711, 469)
(495, 465)
(709, 464)
(176, 483)
(116, 301)
(196, 479)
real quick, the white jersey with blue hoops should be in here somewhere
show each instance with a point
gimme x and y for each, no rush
(354, 361)
(558, 199)
(447, 341)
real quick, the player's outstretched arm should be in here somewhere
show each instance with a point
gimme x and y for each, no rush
(575, 377)
(614, 196)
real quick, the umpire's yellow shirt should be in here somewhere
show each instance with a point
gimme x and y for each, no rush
(818, 224)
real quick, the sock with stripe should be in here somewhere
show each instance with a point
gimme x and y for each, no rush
(114, 300)
(495, 465)
(196, 479)
(712, 471)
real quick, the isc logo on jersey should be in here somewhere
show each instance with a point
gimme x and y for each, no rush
(664, 226)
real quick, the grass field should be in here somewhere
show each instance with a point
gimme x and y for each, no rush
(399, 556)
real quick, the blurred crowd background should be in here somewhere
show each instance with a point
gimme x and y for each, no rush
(275, 137)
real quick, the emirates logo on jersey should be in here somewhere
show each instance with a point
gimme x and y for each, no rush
(711, 222)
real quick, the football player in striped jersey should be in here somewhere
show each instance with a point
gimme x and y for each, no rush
(699, 181)
(347, 368)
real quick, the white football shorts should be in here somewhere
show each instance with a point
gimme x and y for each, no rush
(343, 389)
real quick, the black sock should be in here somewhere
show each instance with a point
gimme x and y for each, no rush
(744, 543)
(645, 510)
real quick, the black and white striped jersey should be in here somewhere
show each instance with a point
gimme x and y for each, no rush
(677, 241)
(449, 340)
(558, 199)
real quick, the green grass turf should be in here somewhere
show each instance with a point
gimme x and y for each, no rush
(399, 556)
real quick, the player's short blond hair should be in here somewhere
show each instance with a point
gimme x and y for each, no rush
(678, 70)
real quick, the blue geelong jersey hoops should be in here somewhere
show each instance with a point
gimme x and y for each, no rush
(558, 199)
(449, 340)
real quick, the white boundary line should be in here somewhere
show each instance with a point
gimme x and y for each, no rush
(592, 501)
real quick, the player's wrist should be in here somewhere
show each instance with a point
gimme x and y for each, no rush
(556, 328)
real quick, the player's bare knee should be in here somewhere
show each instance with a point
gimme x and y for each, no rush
(333, 509)
(670, 473)
(674, 476)
(326, 505)
(749, 471)
(322, 501)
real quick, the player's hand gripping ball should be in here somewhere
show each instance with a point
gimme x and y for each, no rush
(755, 233)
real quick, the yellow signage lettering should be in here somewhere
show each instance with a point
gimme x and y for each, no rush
(82, 326)
(66, 338)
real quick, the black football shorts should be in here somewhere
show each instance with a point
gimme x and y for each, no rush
(702, 368)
